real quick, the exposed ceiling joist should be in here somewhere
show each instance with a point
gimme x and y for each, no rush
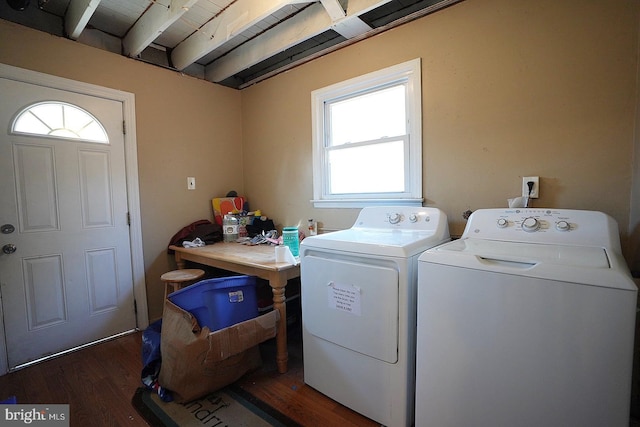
(78, 15)
(150, 25)
(238, 17)
(334, 9)
(348, 28)
(304, 25)
(232, 42)
(309, 22)
(357, 7)
(351, 27)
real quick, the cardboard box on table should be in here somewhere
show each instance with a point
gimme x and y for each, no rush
(196, 361)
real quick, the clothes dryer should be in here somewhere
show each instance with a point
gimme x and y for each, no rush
(359, 309)
(527, 320)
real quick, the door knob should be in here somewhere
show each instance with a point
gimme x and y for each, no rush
(7, 229)
(9, 248)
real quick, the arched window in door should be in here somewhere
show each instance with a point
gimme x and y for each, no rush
(59, 120)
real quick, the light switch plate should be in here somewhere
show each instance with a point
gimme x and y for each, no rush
(191, 183)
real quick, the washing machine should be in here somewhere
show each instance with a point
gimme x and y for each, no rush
(359, 309)
(527, 320)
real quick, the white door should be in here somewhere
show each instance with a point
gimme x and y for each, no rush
(69, 280)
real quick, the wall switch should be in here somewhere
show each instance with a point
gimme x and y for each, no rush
(191, 183)
(535, 191)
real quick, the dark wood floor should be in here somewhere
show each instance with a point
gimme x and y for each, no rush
(291, 396)
(99, 381)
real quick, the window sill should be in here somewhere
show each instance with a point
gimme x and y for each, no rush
(361, 203)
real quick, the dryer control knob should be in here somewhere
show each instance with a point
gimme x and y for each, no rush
(394, 218)
(413, 218)
(530, 224)
(502, 223)
(563, 226)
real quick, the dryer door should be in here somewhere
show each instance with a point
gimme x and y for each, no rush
(352, 304)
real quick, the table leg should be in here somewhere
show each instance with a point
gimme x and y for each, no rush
(282, 354)
(179, 261)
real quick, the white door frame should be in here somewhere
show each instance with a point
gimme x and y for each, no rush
(131, 166)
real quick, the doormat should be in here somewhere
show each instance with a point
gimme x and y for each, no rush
(227, 407)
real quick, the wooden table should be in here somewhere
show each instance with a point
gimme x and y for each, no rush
(257, 261)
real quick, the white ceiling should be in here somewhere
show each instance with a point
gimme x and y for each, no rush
(232, 42)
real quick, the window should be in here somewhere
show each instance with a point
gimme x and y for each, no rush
(367, 139)
(59, 120)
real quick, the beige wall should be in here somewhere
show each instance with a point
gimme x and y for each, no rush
(510, 89)
(185, 127)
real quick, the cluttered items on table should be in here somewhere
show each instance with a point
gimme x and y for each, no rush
(232, 222)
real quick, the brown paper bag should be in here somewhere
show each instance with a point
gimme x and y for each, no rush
(196, 362)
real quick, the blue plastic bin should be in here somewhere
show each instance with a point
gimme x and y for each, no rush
(219, 303)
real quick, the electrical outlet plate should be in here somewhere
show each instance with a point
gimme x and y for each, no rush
(191, 183)
(535, 192)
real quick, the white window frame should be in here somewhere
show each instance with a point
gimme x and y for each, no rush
(48, 121)
(407, 73)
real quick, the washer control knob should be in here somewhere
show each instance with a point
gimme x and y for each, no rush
(394, 218)
(530, 224)
(502, 223)
(563, 226)
(413, 217)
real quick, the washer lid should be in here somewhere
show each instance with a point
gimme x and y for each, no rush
(587, 265)
(385, 242)
(530, 253)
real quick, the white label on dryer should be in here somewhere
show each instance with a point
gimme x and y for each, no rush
(344, 297)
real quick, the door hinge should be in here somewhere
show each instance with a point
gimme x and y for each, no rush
(128, 219)
(124, 127)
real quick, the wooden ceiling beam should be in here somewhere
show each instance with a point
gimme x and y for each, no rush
(238, 17)
(347, 27)
(358, 7)
(152, 23)
(351, 27)
(306, 24)
(78, 14)
(334, 9)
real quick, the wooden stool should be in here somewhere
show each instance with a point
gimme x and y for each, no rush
(178, 279)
